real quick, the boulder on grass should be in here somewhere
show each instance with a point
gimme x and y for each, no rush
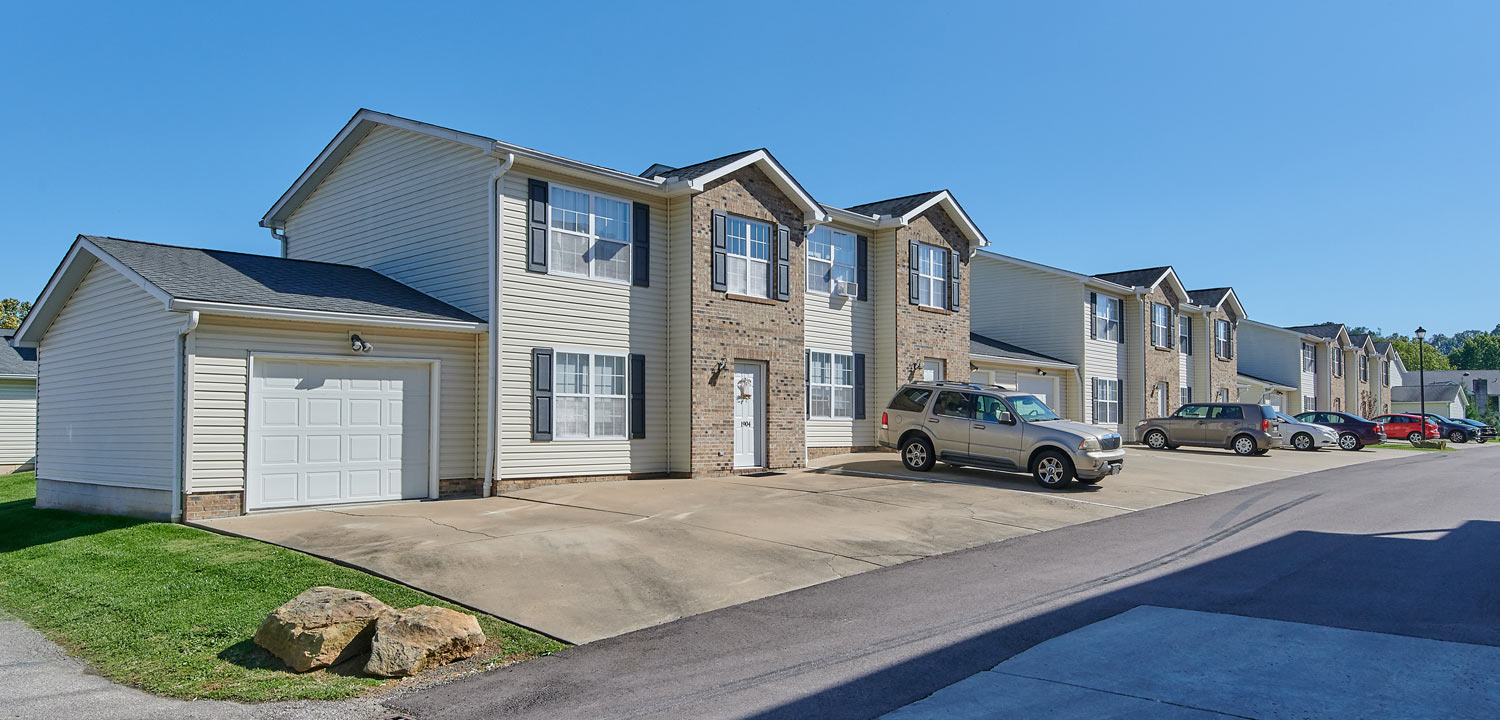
(415, 639)
(1432, 444)
(323, 626)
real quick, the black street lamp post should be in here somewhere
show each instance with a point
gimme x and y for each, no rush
(1422, 378)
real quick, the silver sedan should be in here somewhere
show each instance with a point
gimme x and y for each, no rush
(1300, 435)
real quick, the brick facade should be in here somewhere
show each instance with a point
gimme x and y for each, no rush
(923, 332)
(505, 486)
(726, 329)
(1222, 371)
(207, 506)
(1162, 363)
(1337, 387)
(460, 487)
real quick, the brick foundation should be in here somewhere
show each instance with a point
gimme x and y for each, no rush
(207, 506)
(505, 486)
(822, 452)
(460, 487)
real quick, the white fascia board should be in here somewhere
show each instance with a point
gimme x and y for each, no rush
(778, 174)
(528, 157)
(1176, 282)
(65, 280)
(847, 217)
(1247, 380)
(324, 316)
(955, 211)
(1088, 280)
(1234, 301)
(1018, 362)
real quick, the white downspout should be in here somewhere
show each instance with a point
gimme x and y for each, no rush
(280, 235)
(183, 398)
(492, 398)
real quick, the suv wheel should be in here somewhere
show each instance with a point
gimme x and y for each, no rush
(1349, 441)
(916, 454)
(1243, 445)
(1052, 470)
(1458, 436)
(1156, 440)
(1302, 441)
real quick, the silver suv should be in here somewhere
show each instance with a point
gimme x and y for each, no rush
(991, 427)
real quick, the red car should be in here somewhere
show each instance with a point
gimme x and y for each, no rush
(1402, 425)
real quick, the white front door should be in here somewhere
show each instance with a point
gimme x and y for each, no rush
(1041, 387)
(748, 415)
(324, 432)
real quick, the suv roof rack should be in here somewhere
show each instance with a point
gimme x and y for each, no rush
(969, 385)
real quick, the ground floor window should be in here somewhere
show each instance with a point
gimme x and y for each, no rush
(1309, 404)
(1223, 395)
(932, 370)
(591, 402)
(1106, 401)
(1185, 395)
(830, 386)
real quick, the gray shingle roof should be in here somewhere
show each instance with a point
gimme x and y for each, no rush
(262, 280)
(1359, 339)
(1210, 297)
(1322, 330)
(689, 172)
(990, 347)
(14, 360)
(1382, 346)
(895, 207)
(1435, 393)
(1145, 277)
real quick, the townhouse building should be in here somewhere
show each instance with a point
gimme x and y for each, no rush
(455, 314)
(1303, 364)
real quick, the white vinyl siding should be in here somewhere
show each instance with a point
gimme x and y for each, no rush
(848, 326)
(219, 360)
(678, 273)
(544, 310)
(410, 206)
(106, 390)
(1103, 358)
(1042, 312)
(17, 422)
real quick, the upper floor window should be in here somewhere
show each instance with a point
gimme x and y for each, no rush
(932, 276)
(1222, 346)
(1185, 334)
(1309, 360)
(1338, 361)
(830, 385)
(748, 247)
(1385, 372)
(832, 256)
(589, 234)
(591, 401)
(1364, 368)
(1107, 318)
(1161, 325)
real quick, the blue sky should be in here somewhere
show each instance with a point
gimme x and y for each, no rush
(1315, 156)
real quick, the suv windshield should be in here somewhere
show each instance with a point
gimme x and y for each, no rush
(1030, 409)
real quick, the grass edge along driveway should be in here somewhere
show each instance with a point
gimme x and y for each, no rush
(171, 609)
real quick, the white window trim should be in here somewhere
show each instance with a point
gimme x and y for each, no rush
(1111, 418)
(942, 366)
(1185, 341)
(831, 263)
(751, 262)
(1164, 326)
(1336, 359)
(593, 236)
(938, 253)
(1222, 354)
(1309, 357)
(591, 353)
(1102, 317)
(833, 385)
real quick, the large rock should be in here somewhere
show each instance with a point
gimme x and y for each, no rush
(323, 626)
(412, 640)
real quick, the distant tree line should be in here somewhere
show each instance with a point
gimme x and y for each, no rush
(1467, 350)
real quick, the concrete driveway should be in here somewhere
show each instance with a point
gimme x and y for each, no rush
(589, 561)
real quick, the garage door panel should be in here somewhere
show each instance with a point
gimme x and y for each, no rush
(332, 432)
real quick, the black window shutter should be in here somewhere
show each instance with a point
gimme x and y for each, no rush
(536, 227)
(782, 280)
(637, 395)
(1094, 316)
(640, 246)
(1171, 328)
(1229, 351)
(862, 270)
(807, 382)
(1094, 406)
(721, 245)
(916, 258)
(1120, 313)
(859, 386)
(955, 293)
(541, 393)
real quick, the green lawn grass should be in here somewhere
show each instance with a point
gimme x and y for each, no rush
(172, 609)
(1409, 446)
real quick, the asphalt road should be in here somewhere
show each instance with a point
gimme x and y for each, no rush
(1409, 547)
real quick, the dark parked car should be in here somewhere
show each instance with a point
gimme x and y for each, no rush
(1354, 431)
(1485, 431)
(1454, 430)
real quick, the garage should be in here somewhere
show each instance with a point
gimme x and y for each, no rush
(328, 431)
(1044, 388)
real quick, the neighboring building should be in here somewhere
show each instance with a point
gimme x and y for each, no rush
(1443, 399)
(1361, 376)
(1055, 381)
(522, 318)
(17, 405)
(1391, 368)
(1138, 340)
(1308, 358)
(1483, 385)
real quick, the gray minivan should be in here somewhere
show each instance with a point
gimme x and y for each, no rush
(991, 427)
(1245, 428)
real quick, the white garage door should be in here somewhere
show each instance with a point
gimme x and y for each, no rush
(1042, 387)
(330, 432)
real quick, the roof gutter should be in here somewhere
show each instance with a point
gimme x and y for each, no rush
(277, 313)
(1026, 362)
(492, 395)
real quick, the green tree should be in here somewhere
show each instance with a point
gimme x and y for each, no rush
(1407, 349)
(12, 311)
(1480, 352)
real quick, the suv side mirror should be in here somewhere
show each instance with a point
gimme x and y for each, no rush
(1006, 418)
